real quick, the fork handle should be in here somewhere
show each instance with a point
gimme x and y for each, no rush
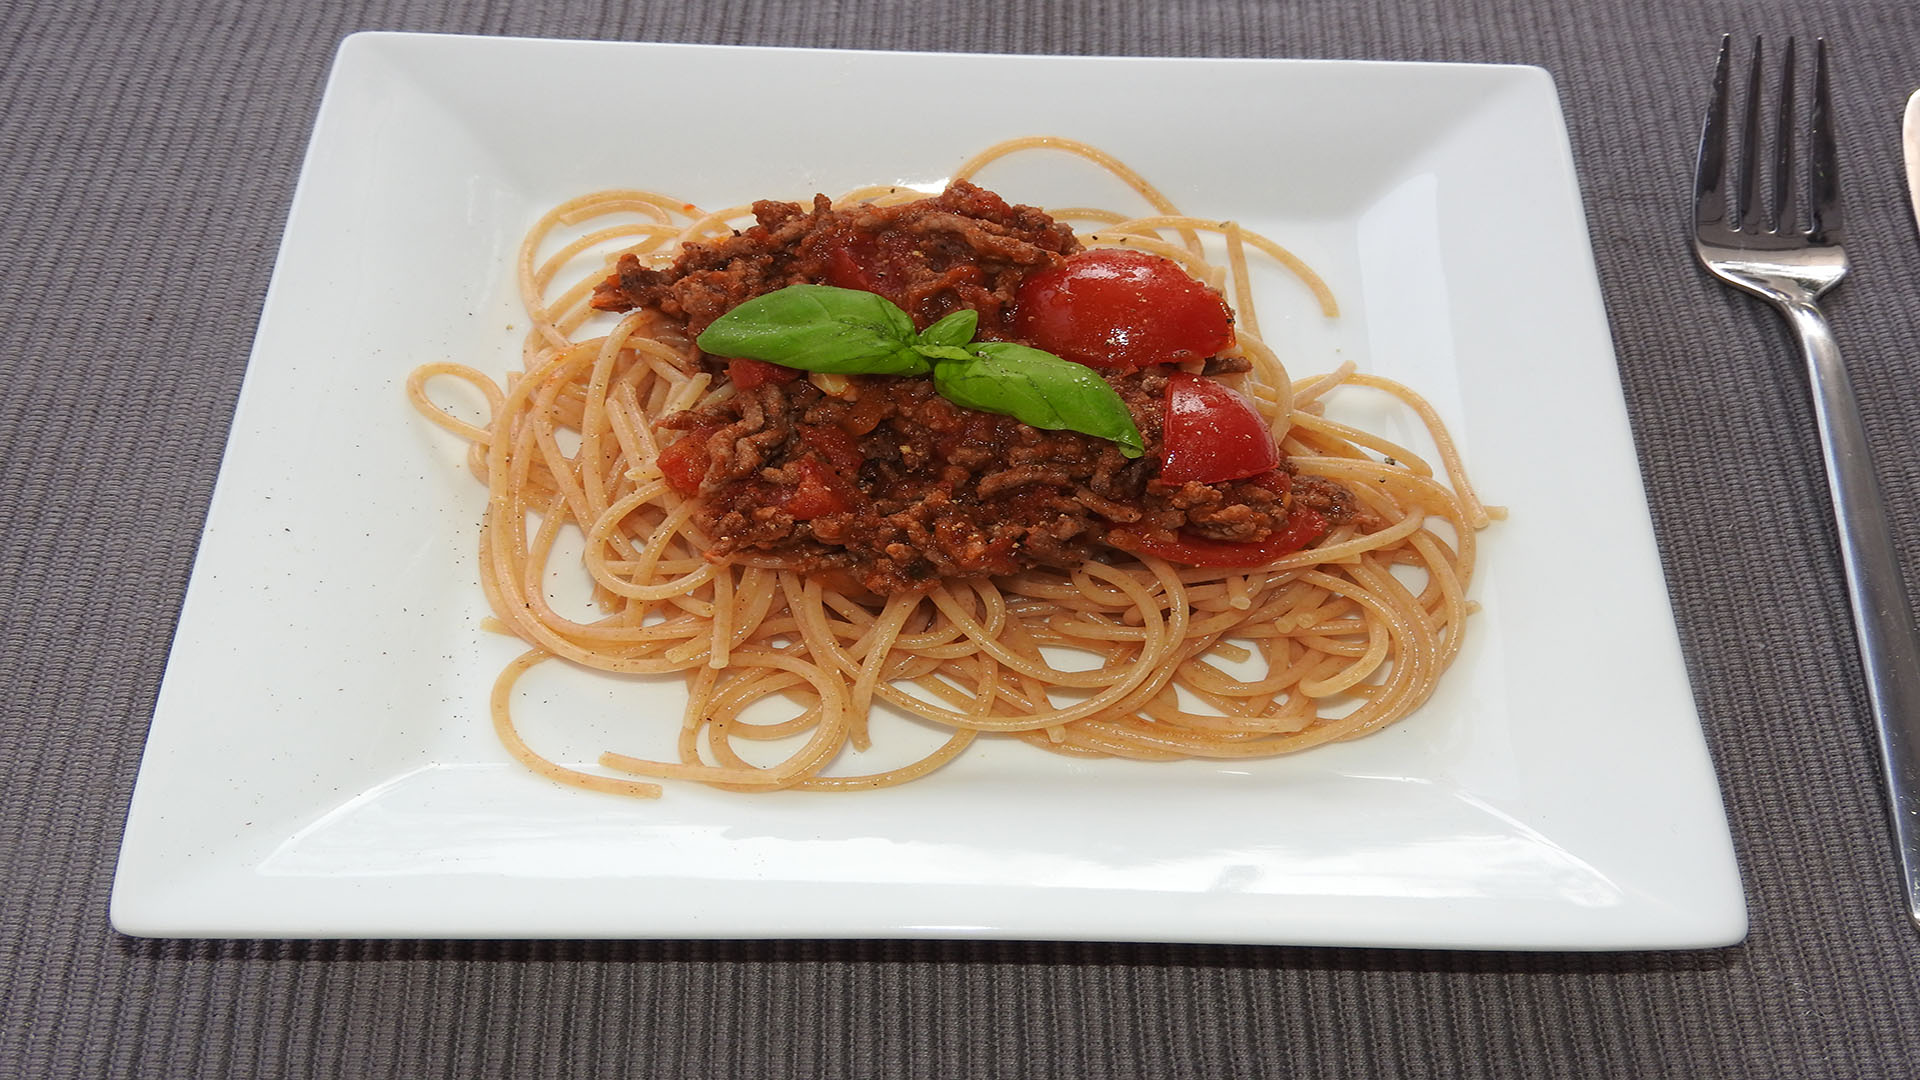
(1882, 617)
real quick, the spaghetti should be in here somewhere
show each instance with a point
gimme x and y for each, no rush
(1341, 639)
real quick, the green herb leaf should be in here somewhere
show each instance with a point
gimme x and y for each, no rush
(943, 352)
(1041, 389)
(819, 328)
(955, 329)
(850, 332)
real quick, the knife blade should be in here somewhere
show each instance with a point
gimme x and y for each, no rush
(1910, 147)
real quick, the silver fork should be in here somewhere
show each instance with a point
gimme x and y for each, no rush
(1791, 266)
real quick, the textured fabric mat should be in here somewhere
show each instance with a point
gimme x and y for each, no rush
(147, 156)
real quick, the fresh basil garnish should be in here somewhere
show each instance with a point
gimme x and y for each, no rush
(943, 352)
(1038, 388)
(819, 328)
(955, 329)
(849, 332)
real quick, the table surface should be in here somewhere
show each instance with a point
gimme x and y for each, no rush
(147, 157)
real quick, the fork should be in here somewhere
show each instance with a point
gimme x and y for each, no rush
(1791, 266)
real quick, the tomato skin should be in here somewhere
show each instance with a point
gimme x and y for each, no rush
(820, 492)
(746, 373)
(1304, 526)
(850, 263)
(684, 462)
(1121, 309)
(831, 456)
(1212, 433)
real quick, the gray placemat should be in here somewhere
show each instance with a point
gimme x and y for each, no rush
(147, 156)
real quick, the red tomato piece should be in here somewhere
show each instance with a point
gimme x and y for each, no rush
(684, 462)
(748, 373)
(1212, 433)
(1304, 526)
(1123, 309)
(850, 265)
(820, 492)
(1277, 481)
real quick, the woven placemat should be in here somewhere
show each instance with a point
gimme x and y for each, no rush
(147, 157)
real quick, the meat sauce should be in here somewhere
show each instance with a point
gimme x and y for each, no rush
(883, 482)
(963, 248)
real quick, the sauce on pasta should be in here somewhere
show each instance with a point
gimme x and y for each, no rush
(841, 542)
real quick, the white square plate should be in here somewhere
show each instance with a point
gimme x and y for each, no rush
(320, 761)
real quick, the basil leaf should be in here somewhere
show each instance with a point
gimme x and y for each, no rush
(1041, 389)
(943, 352)
(955, 329)
(819, 328)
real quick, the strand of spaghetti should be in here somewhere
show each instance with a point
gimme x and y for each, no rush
(711, 223)
(1194, 262)
(1273, 389)
(1308, 391)
(1428, 494)
(563, 469)
(516, 606)
(545, 272)
(577, 635)
(754, 599)
(720, 647)
(880, 642)
(595, 425)
(1364, 664)
(511, 460)
(531, 297)
(609, 200)
(877, 195)
(948, 750)
(627, 418)
(722, 721)
(648, 558)
(987, 641)
(1085, 213)
(806, 603)
(1376, 591)
(1335, 432)
(1235, 235)
(810, 617)
(1122, 684)
(1091, 153)
(702, 683)
(1477, 512)
(1444, 574)
(751, 692)
(510, 738)
(417, 393)
(826, 740)
(1158, 661)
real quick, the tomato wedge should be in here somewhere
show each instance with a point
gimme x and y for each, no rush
(747, 373)
(1121, 309)
(1212, 433)
(820, 492)
(1304, 526)
(684, 462)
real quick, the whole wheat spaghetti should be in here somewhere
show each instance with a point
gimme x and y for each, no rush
(1342, 638)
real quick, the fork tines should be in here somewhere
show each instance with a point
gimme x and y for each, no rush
(1822, 207)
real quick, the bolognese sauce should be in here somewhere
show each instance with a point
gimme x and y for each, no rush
(880, 480)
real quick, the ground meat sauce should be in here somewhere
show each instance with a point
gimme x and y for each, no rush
(964, 248)
(885, 481)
